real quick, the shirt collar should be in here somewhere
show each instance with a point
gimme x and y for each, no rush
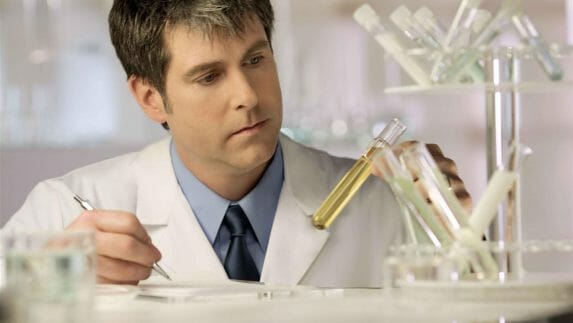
(259, 204)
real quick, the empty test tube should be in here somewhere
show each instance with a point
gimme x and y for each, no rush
(481, 19)
(484, 38)
(460, 28)
(431, 24)
(531, 36)
(457, 36)
(367, 17)
(437, 30)
(404, 20)
(355, 177)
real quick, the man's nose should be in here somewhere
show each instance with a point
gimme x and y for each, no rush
(244, 95)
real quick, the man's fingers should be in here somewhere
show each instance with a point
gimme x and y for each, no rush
(456, 185)
(125, 252)
(111, 270)
(126, 247)
(465, 200)
(446, 165)
(103, 280)
(435, 151)
(450, 170)
(119, 222)
(111, 221)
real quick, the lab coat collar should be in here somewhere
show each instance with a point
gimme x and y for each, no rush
(306, 174)
(157, 187)
(187, 254)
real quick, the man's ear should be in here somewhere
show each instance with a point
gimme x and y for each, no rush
(148, 98)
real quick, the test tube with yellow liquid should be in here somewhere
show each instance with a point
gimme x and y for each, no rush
(355, 177)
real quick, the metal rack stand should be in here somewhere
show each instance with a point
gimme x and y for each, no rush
(503, 117)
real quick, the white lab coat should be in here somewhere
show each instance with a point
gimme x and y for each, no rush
(349, 254)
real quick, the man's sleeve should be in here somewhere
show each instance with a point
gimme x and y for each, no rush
(49, 206)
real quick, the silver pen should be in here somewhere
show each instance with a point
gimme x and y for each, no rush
(85, 204)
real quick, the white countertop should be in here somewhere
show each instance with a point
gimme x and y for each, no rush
(268, 304)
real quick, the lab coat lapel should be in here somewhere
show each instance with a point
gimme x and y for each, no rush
(162, 208)
(294, 243)
(188, 252)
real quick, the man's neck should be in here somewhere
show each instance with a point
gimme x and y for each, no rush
(227, 183)
(232, 187)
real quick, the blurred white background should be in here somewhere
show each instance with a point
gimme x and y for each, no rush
(64, 100)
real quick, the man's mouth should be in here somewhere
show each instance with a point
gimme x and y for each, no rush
(251, 129)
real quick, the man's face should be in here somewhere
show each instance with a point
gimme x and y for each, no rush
(225, 99)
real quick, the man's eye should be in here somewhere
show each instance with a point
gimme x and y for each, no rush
(255, 60)
(209, 78)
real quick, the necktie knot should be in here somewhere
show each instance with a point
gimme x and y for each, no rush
(236, 220)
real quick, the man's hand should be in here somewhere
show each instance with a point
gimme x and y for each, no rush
(124, 249)
(448, 167)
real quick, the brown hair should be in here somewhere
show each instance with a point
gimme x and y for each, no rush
(137, 29)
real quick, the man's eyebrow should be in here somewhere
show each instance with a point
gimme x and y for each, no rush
(261, 44)
(200, 69)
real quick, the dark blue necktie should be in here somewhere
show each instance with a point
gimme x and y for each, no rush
(239, 263)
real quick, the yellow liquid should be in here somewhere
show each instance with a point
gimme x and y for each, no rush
(344, 191)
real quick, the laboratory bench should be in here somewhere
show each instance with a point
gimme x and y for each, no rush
(259, 303)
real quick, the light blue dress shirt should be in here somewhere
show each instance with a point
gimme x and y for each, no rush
(260, 205)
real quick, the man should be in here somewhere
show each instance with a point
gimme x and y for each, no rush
(204, 69)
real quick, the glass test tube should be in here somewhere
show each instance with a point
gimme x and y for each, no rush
(531, 36)
(457, 36)
(500, 183)
(420, 162)
(448, 208)
(480, 21)
(431, 24)
(404, 20)
(431, 212)
(461, 25)
(355, 177)
(367, 17)
(438, 31)
(484, 38)
(422, 226)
